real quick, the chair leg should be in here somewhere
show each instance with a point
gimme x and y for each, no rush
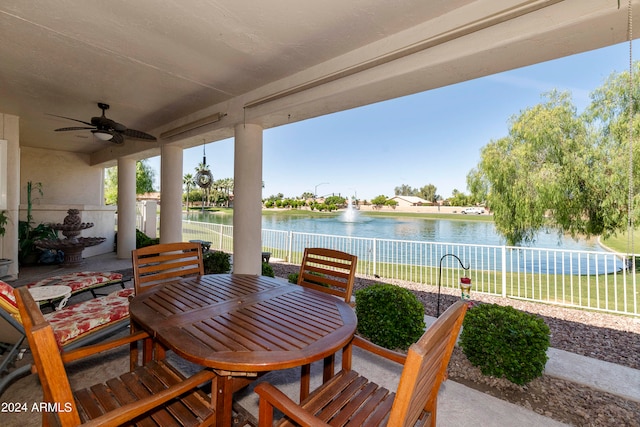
(159, 352)
(347, 353)
(133, 350)
(147, 350)
(305, 381)
(328, 368)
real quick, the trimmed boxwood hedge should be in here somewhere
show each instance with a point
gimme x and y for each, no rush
(389, 316)
(216, 262)
(505, 342)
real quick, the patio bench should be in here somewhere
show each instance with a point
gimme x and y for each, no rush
(74, 326)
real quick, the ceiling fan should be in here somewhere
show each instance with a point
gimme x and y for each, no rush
(106, 129)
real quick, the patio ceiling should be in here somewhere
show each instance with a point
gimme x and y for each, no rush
(161, 65)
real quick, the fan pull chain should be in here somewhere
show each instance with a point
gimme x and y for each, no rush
(630, 195)
(630, 222)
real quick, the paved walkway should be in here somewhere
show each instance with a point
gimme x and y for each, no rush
(458, 405)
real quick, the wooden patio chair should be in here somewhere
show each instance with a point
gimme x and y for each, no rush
(154, 393)
(165, 262)
(332, 272)
(156, 265)
(329, 271)
(350, 397)
(74, 326)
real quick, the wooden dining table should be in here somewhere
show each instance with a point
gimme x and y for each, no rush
(241, 326)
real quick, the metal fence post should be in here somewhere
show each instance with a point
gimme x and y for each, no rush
(375, 257)
(504, 271)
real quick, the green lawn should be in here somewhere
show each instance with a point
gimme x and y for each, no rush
(619, 243)
(605, 292)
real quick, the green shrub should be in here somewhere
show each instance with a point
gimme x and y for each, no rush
(505, 342)
(267, 270)
(389, 316)
(142, 240)
(293, 278)
(216, 262)
(312, 273)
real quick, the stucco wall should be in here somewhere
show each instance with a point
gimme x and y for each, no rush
(67, 178)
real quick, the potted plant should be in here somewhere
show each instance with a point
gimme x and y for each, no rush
(27, 251)
(4, 262)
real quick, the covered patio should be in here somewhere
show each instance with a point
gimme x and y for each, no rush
(191, 72)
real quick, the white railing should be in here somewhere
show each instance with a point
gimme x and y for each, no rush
(583, 279)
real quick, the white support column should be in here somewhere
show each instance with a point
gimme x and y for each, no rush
(171, 187)
(10, 131)
(247, 201)
(126, 241)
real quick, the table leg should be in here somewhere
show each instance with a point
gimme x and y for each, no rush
(222, 399)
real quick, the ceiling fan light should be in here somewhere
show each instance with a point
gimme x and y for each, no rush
(102, 135)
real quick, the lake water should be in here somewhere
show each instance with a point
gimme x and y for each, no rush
(401, 228)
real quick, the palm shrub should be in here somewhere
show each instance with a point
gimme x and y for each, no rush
(216, 262)
(3, 222)
(505, 342)
(389, 316)
(142, 240)
(267, 270)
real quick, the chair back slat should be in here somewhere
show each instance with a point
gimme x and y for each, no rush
(157, 264)
(328, 270)
(46, 356)
(425, 368)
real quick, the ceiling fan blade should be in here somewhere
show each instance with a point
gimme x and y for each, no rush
(119, 127)
(132, 133)
(101, 125)
(69, 118)
(73, 128)
(117, 138)
(105, 123)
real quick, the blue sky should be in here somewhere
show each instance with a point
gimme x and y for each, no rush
(434, 137)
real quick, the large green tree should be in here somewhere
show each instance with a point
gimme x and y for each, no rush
(144, 177)
(379, 201)
(405, 190)
(188, 182)
(428, 192)
(144, 181)
(561, 170)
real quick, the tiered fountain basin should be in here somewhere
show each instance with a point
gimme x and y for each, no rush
(72, 245)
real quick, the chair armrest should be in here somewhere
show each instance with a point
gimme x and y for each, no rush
(131, 410)
(82, 352)
(271, 397)
(380, 351)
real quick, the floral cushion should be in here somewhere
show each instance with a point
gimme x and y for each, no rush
(81, 281)
(76, 321)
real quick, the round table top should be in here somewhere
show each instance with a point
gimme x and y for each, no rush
(244, 323)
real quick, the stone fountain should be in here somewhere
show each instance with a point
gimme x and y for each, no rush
(72, 245)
